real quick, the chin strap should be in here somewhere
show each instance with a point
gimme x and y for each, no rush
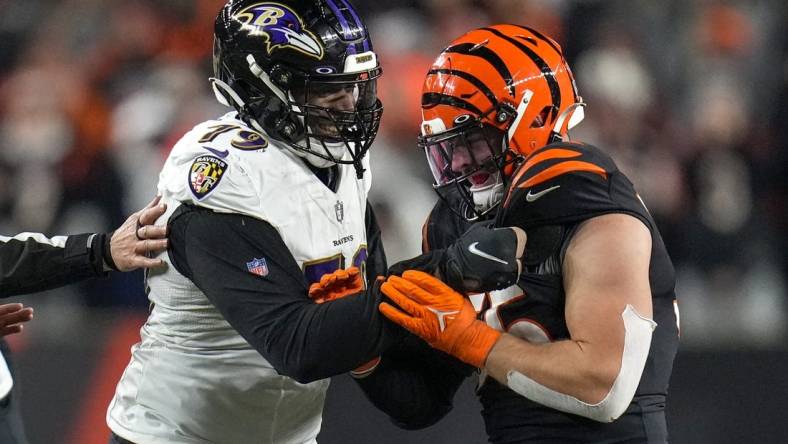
(224, 93)
(527, 95)
(262, 75)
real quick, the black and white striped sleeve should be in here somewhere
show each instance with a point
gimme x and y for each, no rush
(31, 262)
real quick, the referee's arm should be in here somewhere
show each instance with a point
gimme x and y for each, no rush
(31, 262)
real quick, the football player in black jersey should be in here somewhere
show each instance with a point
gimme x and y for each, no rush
(581, 348)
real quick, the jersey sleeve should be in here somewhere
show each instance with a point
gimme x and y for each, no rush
(222, 254)
(566, 183)
(32, 262)
(414, 384)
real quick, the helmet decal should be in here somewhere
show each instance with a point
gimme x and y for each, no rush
(281, 27)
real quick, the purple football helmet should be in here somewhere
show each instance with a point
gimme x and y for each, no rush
(275, 62)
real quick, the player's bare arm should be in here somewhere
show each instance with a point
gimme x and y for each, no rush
(605, 271)
(608, 304)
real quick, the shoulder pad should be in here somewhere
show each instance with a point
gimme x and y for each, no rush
(561, 183)
(208, 176)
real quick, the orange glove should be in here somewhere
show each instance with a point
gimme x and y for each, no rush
(439, 315)
(337, 285)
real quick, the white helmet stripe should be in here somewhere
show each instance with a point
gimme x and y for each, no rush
(527, 95)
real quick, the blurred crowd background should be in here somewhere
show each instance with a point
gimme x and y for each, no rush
(689, 97)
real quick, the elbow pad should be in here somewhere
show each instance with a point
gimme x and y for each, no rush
(637, 342)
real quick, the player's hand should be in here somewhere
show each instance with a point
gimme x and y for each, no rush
(137, 237)
(484, 259)
(12, 316)
(442, 317)
(337, 285)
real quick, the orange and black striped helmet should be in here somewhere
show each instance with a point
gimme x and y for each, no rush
(508, 78)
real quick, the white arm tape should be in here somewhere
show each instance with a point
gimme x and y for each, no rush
(637, 341)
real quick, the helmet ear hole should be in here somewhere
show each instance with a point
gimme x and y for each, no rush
(541, 119)
(281, 76)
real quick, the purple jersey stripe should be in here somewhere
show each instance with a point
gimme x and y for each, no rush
(351, 49)
(358, 23)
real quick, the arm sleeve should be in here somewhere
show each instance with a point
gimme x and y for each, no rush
(414, 384)
(272, 312)
(31, 262)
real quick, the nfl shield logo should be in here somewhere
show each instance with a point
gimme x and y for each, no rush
(258, 267)
(339, 209)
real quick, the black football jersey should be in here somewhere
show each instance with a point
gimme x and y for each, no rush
(551, 193)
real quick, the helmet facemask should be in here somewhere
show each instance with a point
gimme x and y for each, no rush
(338, 117)
(469, 160)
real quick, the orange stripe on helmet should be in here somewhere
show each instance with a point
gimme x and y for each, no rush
(563, 168)
(473, 83)
(547, 71)
(484, 54)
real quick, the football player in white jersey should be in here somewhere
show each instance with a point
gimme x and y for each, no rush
(263, 202)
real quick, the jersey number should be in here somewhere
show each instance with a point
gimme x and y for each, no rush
(504, 314)
(315, 269)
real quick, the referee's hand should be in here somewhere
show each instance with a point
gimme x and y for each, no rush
(137, 239)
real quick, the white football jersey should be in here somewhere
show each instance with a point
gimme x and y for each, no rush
(192, 378)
